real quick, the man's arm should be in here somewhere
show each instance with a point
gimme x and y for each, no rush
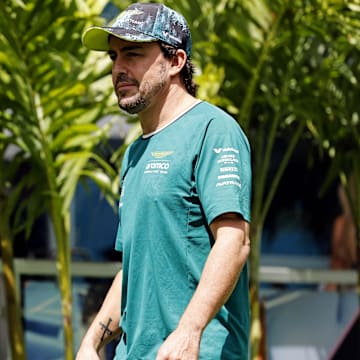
(105, 326)
(218, 280)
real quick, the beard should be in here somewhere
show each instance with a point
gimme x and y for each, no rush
(147, 90)
(134, 105)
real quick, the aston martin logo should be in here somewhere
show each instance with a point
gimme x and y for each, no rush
(161, 154)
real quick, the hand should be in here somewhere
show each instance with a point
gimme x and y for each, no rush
(180, 345)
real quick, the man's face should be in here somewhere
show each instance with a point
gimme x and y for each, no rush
(139, 73)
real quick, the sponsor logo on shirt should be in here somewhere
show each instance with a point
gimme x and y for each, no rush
(228, 149)
(157, 165)
(229, 176)
(161, 154)
(229, 169)
(227, 183)
(228, 160)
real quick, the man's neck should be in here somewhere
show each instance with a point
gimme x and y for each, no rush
(157, 116)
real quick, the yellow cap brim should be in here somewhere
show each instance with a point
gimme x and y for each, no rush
(96, 38)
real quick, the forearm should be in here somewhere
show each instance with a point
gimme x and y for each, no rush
(105, 325)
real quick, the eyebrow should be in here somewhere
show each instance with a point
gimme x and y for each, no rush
(128, 48)
(131, 47)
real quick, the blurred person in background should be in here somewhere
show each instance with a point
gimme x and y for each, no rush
(343, 240)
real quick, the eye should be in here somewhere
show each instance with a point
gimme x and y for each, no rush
(112, 55)
(132, 54)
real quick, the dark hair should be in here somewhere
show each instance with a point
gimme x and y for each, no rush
(186, 72)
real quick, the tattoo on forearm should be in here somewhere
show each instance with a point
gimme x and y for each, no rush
(106, 329)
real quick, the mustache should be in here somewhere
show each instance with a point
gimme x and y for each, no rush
(123, 78)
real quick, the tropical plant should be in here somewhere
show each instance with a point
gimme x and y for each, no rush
(52, 93)
(339, 136)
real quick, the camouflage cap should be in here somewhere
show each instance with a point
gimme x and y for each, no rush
(142, 22)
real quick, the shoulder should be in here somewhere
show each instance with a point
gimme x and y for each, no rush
(207, 109)
(221, 123)
(217, 117)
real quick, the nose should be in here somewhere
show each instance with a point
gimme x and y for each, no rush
(118, 66)
(119, 70)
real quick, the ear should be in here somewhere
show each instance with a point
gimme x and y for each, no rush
(178, 62)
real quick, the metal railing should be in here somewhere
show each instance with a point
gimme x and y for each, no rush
(37, 267)
(268, 273)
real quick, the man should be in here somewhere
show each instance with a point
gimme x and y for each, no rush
(184, 207)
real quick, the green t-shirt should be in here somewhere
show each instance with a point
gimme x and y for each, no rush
(174, 183)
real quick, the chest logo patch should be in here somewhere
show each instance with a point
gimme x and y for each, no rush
(161, 154)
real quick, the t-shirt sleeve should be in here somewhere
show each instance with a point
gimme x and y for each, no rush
(118, 241)
(118, 238)
(223, 170)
